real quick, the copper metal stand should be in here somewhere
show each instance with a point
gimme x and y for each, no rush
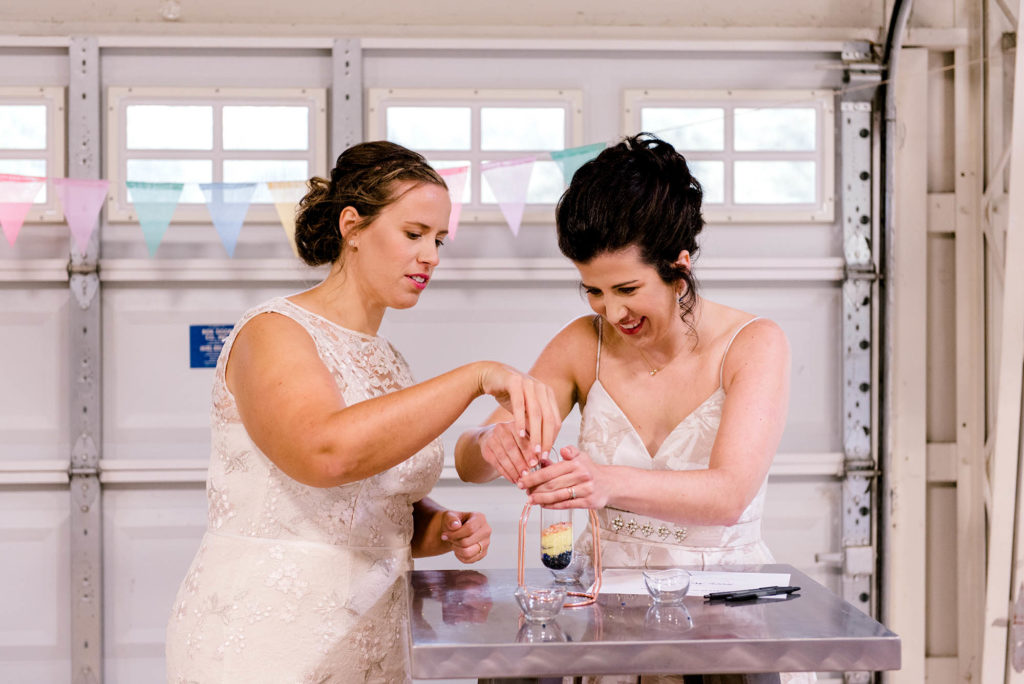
(589, 596)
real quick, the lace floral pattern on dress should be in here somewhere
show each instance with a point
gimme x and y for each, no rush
(295, 583)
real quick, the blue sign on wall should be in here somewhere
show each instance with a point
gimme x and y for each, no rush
(205, 343)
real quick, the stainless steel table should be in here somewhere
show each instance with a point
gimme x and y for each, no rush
(466, 623)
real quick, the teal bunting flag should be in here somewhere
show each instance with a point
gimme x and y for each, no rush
(569, 161)
(154, 204)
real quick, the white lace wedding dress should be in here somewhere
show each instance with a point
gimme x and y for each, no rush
(295, 583)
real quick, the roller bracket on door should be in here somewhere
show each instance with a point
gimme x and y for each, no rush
(84, 455)
(84, 287)
(861, 273)
(83, 268)
(854, 560)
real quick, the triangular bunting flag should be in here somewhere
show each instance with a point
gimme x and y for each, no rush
(155, 204)
(228, 204)
(456, 179)
(569, 161)
(81, 200)
(16, 196)
(286, 196)
(509, 180)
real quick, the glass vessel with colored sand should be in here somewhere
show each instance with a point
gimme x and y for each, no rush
(556, 538)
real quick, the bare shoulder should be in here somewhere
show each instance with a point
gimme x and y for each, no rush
(582, 330)
(763, 330)
(760, 347)
(574, 342)
(567, 362)
(269, 340)
(271, 329)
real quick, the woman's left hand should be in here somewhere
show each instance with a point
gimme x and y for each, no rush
(468, 534)
(573, 482)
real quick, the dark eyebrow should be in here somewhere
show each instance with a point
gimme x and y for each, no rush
(625, 284)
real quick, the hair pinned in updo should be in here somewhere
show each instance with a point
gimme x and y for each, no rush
(639, 192)
(364, 178)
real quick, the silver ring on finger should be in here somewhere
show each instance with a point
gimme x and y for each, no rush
(572, 492)
(481, 551)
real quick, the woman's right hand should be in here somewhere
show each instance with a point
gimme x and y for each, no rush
(520, 444)
(505, 451)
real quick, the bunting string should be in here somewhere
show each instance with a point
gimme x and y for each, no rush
(228, 203)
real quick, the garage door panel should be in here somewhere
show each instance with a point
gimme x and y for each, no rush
(769, 241)
(35, 620)
(34, 373)
(794, 536)
(150, 537)
(809, 315)
(155, 405)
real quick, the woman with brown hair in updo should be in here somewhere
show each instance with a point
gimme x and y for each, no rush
(324, 449)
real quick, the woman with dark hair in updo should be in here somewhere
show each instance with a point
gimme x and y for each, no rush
(324, 450)
(683, 400)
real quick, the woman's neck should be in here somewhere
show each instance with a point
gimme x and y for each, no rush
(342, 299)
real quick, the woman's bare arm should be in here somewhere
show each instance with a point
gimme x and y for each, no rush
(291, 406)
(496, 449)
(756, 381)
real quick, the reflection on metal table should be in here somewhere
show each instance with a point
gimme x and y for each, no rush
(466, 623)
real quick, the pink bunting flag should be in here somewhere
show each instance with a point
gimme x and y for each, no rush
(456, 179)
(81, 200)
(509, 180)
(17, 193)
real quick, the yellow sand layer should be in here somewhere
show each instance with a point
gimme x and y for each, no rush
(556, 539)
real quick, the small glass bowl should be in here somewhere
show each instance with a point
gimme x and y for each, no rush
(540, 604)
(667, 586)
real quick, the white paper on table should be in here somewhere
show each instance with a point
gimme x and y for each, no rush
(702, 582)
(622, 581)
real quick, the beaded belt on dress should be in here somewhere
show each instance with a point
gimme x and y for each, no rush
(626, 524)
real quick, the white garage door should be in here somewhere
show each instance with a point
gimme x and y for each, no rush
(496, 296)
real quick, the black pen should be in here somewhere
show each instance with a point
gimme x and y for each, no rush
(747, 594)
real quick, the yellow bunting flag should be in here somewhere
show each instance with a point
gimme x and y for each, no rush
(286, 196)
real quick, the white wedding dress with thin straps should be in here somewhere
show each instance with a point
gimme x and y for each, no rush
(299, 584)
(629, 540)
